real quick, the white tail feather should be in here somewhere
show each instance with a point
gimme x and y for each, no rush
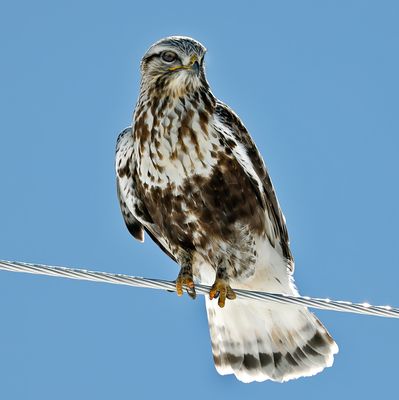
(257, 341)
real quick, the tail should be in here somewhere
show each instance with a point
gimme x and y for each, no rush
(258, 341)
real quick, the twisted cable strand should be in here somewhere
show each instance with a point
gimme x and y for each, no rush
(120, 279)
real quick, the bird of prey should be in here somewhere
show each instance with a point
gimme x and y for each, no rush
(191, 177)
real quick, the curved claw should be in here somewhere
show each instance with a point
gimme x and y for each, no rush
(185, 280)
(191, 291)
(222, 290)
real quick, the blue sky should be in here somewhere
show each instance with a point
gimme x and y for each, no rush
(316, 83)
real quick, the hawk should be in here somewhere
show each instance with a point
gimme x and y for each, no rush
(191, 177)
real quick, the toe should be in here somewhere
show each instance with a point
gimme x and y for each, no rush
(191, 292)
(214, 292)
(222, 297)
(179, 287)
(230, 293)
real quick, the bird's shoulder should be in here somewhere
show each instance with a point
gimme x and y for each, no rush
(242, 144)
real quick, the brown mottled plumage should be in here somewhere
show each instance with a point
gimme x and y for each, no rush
(190, 175)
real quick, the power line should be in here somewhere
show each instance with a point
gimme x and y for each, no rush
(119, 279)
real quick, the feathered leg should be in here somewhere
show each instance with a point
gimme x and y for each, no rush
(185, 277)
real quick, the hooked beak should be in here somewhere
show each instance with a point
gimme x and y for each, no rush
(193, 65)
(196, 67)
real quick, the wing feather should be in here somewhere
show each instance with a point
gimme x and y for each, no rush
(243, 147)
(135, 214)
(125, 183)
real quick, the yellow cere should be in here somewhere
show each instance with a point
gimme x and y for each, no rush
(193, 59)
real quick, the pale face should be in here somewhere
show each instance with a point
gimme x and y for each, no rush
(174, 66)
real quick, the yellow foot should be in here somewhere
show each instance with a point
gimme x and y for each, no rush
(185, 280)
(222, 290)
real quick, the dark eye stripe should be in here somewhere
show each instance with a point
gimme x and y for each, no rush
(149, 58)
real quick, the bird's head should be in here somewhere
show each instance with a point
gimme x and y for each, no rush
(174, 66)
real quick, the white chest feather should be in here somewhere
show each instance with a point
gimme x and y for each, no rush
(180, 143)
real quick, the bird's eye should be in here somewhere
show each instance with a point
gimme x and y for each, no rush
(168, 56)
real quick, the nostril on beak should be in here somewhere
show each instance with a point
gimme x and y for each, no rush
(196, 67)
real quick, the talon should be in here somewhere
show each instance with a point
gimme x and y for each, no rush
(222, 290)
(230, 293)
(213, 293)
(185, 279)
(191, 291)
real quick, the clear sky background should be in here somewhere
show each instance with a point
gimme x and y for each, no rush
(316, 83)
